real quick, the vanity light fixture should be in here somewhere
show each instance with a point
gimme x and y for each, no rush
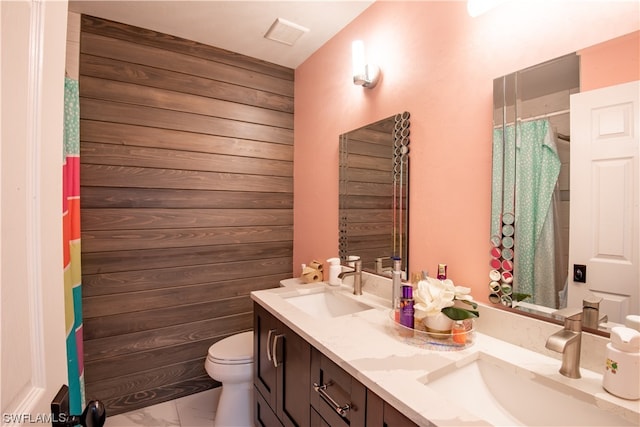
(366, 75)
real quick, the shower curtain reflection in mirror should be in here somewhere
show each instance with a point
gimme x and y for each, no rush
(527, 155)
(530, 187)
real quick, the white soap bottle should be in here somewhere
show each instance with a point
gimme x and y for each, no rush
(622, 368)
(334, 271)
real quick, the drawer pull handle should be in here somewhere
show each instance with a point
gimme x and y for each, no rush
(321, 390)
(275, 349)
(269, 357)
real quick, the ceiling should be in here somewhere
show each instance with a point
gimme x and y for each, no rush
(238, 26)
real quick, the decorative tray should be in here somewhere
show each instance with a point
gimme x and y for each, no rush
(439, 341)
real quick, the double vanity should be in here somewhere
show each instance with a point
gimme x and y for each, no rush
(326, 357)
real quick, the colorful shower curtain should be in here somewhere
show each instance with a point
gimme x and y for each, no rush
(71, 245)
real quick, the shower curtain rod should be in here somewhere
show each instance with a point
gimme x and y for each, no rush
(546, 116)
(541, 116)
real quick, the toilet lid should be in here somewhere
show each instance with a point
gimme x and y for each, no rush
(235, 349)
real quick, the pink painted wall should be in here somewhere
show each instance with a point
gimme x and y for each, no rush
(438, 64)
(613, 62)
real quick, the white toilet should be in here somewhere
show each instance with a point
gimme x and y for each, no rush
(230, 361)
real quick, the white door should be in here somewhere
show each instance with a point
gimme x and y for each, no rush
(32, 340)
(605, 194)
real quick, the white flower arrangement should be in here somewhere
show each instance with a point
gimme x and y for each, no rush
(434, 296)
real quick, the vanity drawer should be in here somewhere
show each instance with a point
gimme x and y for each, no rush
(316, 420)
(338, 398)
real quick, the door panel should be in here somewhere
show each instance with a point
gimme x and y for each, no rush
(605, 194)
(33, 363)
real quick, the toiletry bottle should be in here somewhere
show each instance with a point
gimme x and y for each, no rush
(396, 283)
(442, 272)
(334, 271)
(406, 307)
(459, 332)
(632, 321)
(622, 364)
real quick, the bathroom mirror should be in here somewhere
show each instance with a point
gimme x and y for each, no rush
(529, 238)
(373, 194)
(530, 184)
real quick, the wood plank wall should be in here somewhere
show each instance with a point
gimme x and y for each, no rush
(186, 205)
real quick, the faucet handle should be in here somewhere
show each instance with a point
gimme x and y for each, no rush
(379, 268)
(591, 303)
(573, 322)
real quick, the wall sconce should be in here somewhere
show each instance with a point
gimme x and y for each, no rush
(364, 74)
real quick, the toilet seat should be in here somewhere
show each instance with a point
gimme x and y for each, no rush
(234, 350)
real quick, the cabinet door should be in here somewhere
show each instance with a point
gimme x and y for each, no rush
(338, 397)
(265, 327)
(263, 414)
(382, 414)
(293, 381)
(281, 369)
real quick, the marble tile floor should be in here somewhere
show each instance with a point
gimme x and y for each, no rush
(196, 410)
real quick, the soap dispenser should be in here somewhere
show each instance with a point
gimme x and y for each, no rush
(622, 368)
(334, 271)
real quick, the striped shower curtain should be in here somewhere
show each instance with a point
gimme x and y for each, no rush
(71, 245)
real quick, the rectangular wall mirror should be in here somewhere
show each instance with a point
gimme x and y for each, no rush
(530, 183)
(373, 193)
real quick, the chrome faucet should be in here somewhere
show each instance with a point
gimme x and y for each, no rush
(379, 265)
(591, 314)
(357, 277)
(568, 342)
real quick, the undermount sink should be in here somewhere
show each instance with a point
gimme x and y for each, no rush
(507, 395)
(327, 304)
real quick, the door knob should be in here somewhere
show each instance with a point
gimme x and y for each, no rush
(94, 414)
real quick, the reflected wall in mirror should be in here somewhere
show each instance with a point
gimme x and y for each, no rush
(530, 183)
(373, 194)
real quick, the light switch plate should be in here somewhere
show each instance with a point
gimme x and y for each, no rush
(580, 273)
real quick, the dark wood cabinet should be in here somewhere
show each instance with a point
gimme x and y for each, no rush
(297, 385)
(382, 414)
(338, 398)
(263, 415)
(281, 370)
(317, 420)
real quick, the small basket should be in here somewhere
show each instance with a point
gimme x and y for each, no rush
(432, 340)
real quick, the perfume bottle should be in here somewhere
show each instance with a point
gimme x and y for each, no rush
(442, 272)
(406, 307)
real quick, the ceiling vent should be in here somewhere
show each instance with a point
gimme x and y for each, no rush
(284, 31)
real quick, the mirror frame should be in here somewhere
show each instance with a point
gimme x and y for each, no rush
(394, 194)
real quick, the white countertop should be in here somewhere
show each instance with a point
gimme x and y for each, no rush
(365, 346)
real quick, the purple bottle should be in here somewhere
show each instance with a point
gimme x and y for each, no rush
(406, 307)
